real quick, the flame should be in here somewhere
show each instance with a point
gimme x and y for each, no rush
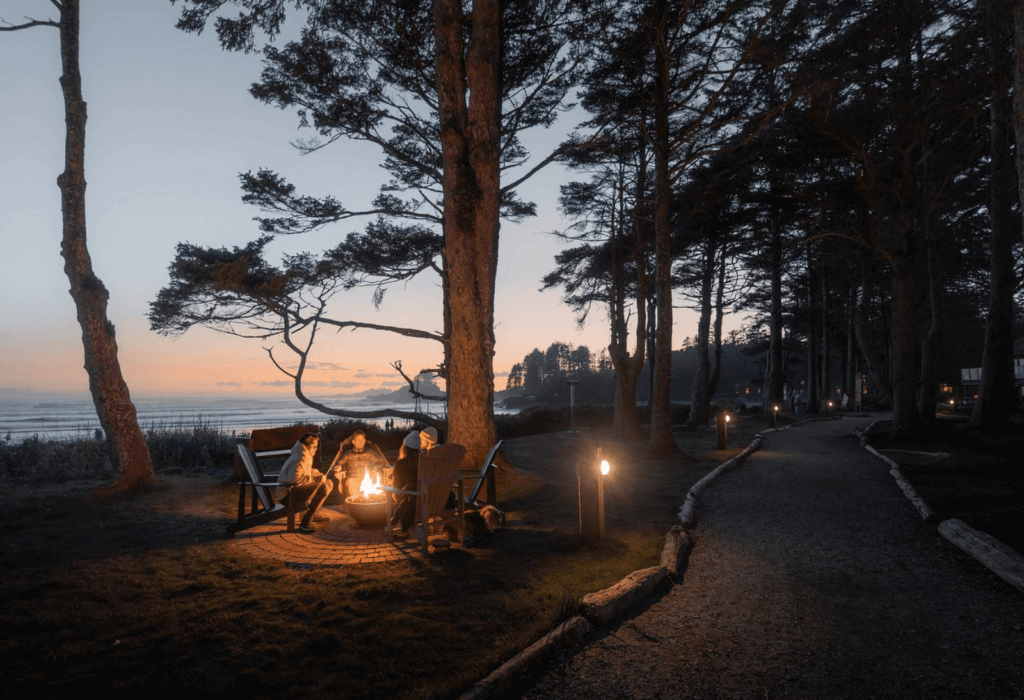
(367, 487)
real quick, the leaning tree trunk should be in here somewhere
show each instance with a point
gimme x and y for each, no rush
(662, 440)
(470, 149)
(106, 383)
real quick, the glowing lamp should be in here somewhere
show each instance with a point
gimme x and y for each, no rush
(591, 490)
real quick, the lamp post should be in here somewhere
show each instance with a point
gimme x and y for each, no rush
(828, 411)
(723, 430)
(605, 468)
(591, 490)
(773, 417)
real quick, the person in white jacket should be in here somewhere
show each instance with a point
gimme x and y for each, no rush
(307, 483)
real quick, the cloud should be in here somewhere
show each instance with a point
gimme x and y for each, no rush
(238, 384)
(336, 384)
(278, 383)
(363, 375)
(328, 366)
(501, 374)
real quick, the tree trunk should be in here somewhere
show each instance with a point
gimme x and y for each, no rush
(662, 441)
(1018, 97)
(700, 401)
(470, 145)
(850, 364)
(873, 357)
(651, 334)
(827, 393)
(106, 383)
(625, 419)
(931, 348)
(906, 420)
(716, 366)
(813, 375)
(997, 393)
(775, 366)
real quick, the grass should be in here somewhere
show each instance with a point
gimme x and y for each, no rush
(166, 622)
(143, 594)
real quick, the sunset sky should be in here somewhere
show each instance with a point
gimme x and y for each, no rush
(171, 124)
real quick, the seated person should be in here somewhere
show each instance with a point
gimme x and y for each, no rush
(362, 456)
(406, 471)
(307, 484)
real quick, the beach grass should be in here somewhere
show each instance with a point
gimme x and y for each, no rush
(193, 444)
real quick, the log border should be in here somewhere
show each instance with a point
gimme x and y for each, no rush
(1004, 562)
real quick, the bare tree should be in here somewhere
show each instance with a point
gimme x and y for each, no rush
(109, 390)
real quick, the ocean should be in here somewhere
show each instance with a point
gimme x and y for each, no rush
(72, 416)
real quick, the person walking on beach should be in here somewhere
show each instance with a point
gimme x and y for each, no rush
(307, 483)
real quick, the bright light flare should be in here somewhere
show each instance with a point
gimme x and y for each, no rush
(605, 467)
(367, 487)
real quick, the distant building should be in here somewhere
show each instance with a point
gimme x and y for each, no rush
(970, 378)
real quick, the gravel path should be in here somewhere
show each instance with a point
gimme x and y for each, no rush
(812, 577)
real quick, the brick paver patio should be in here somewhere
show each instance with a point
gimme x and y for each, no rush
(336, 543)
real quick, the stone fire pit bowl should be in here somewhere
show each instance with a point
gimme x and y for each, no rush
(367, 514)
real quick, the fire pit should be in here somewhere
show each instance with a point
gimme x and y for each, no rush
(368, 507)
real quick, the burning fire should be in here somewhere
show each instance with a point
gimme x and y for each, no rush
(368, 488)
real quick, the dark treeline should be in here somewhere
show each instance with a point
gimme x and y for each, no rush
(543, 376)
(842, 172)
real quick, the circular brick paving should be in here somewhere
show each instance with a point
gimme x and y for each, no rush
(336, 543)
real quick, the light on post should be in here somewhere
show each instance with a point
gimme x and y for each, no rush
(723, 430)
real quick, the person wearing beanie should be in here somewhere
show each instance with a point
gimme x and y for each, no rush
(404, 477)
(428, 438)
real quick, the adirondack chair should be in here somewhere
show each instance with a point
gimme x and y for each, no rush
(484, 476)
(264, 508)
(437, 472)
